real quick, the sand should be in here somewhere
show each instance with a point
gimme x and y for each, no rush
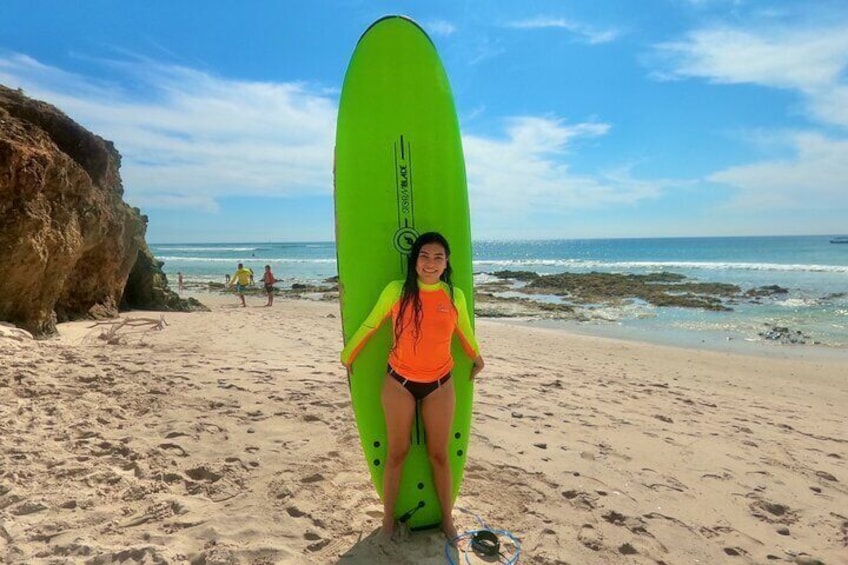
(227, 437)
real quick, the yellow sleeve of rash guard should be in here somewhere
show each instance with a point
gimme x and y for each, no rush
(382, 310)
(463, 325)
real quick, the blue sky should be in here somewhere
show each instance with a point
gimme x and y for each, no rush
(580, 119)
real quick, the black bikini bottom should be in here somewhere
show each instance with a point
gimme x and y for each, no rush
(419, 391)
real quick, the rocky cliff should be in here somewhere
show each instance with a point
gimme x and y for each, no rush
(69, 244)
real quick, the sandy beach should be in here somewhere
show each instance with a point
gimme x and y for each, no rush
(227, 437)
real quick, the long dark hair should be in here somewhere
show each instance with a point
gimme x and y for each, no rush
(410, 296)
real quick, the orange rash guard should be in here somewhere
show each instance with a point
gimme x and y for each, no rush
(423, 357)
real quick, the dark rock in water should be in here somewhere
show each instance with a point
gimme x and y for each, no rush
(516, 275)
(663, 277)
(659, 289)
(783, 334)
(69, 244)
(298, 288)
(762, 291)
(488, 305)
(580, 294)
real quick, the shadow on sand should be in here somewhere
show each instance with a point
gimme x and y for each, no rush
(406, 548)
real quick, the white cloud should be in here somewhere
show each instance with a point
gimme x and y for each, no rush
(810, 61)
(483, 49)
(440, 27)
(813, 178)
(584, 32)
(189, 137)
(832, 103)
(527, 172)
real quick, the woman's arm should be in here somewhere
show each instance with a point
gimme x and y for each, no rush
(463, 326)
(466, 334)
(382, 310)
(478, 366)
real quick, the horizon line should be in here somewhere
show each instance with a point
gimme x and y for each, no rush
(490, 240)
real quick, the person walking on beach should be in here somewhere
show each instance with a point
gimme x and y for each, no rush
(240, 279)
(426, 310)
(268, 281)
(180, 285)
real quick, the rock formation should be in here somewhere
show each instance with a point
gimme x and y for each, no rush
(68, 241)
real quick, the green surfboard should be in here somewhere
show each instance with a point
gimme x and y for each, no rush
(399, 172)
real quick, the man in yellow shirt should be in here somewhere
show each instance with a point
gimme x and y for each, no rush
(241, 278)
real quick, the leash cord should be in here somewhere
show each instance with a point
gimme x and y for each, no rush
(484, 543)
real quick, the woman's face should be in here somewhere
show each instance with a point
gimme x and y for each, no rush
(432, 262)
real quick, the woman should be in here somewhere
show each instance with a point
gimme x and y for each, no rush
(426, 311)
(268, 280)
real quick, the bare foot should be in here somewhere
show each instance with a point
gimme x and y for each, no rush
(388, 529)
(449, 529)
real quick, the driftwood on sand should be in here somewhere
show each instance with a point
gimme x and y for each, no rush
(110, 328)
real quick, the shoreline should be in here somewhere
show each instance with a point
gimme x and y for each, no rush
(228, 437)
(717, 341)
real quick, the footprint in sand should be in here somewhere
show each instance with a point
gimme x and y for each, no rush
(222, 383)
(156, 513)
(139, 555)
(672, 485)
(723, 476)
(826, 476)
(27, 507)
(173, 448)
(318, 542)
(245, 466)
(590, 537)
(204, 473)
(627, 549)
(735, 551)
(314, 478)
(773, 513)
(580, 499)
(646, 542)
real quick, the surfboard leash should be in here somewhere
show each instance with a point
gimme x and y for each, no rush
(485, 543)
(408, 514)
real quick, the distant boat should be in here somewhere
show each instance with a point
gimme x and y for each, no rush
(842, 239)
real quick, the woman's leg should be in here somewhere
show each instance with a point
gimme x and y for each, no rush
(437, 412)
(399, 408)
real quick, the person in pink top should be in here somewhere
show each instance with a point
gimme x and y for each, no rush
(268, 281)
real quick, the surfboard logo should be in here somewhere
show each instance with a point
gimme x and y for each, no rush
(403, 240)
(406, 233)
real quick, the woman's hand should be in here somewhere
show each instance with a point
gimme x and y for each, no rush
(478, 366)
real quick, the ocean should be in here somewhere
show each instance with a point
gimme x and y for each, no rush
(813, 270)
